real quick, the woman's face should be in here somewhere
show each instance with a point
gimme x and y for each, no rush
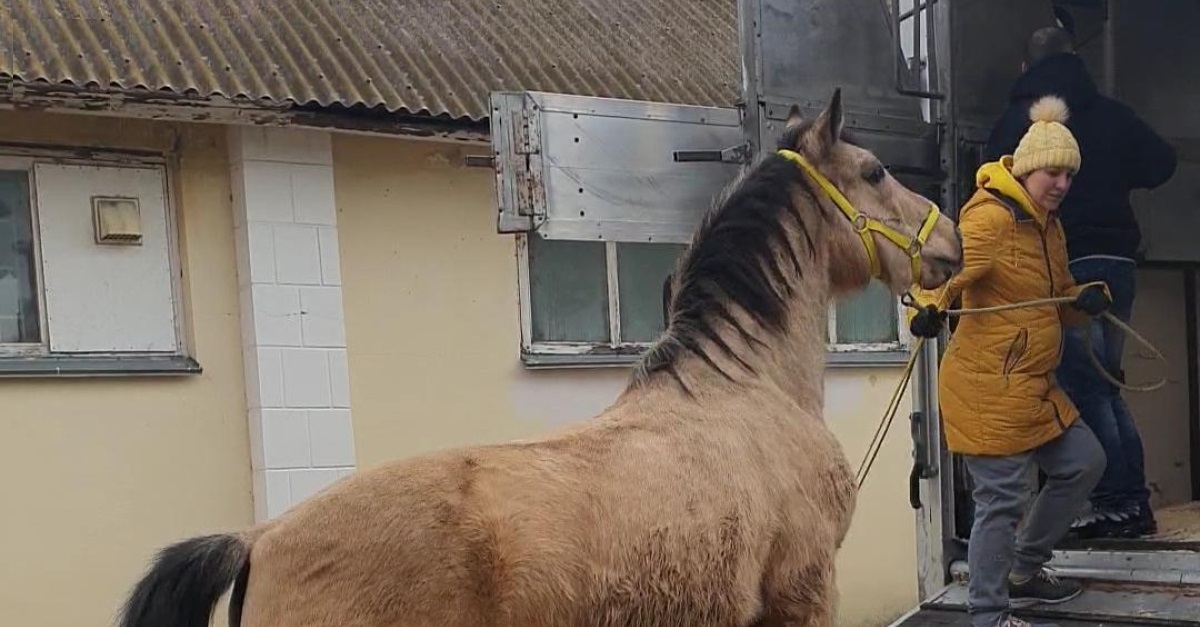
(1048, 186)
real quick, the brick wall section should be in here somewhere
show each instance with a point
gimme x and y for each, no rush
(293, 332)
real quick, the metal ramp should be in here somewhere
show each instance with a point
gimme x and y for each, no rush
(1102, 603)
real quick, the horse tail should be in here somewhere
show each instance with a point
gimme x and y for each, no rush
(185, 581)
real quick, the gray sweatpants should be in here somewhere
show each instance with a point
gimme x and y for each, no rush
(1073, 463)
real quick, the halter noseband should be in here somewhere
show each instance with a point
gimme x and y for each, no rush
(864, 225)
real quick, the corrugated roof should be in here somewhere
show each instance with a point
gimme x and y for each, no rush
(436, 57)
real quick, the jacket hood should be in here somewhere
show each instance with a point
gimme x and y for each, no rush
(1064, 75)
(997, 177)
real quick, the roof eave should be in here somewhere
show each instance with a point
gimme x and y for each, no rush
(175, 107)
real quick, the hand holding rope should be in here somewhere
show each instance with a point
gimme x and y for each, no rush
(894, 404)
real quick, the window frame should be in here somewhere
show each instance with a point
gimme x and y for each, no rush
(902, 345)
(571, 353)
(37, 359)
(10, 350)
(604, 354)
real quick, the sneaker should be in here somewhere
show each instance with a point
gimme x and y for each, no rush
(1104, 524)
(1013, 621)
(1042, 588)
(1132, 528)
(1147, 525)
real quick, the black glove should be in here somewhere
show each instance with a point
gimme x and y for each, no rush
(1092, 301)
(928, 322)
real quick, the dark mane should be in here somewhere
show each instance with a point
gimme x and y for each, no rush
(732, 264)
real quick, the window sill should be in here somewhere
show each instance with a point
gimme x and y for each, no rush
(536, 360)
(97, 366)
(867, 359)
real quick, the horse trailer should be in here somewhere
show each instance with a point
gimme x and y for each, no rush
(922, 82)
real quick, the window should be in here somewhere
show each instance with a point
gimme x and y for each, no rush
(592, 300)
(601, 193)
(20, 322)
(587, 302)
(869, 321)
(87, 268)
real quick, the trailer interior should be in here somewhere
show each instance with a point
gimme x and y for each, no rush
(1144, 53)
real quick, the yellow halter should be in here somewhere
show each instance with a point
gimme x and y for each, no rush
(864, 225)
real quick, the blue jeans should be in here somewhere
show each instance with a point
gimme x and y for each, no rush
(1123, 485)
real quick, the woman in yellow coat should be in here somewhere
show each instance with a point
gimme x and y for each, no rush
(1000, 405)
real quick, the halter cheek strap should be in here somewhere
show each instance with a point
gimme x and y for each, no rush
(865, 225)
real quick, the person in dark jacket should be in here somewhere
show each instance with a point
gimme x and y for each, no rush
(1120, 153)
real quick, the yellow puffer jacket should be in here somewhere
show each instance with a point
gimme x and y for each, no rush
(997, 387)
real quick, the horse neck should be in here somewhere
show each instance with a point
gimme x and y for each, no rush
(753, 292)
(789, 362)
(796, 362)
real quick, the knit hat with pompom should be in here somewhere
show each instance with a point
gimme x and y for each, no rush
(1048, 143)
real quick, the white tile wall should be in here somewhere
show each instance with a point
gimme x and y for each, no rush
(331, 268)
(276, 315)
(305, 483)
(297, 255)
(339, 377)
(313, 190)
(270, 377)
(322, 325)
(306, 378)
(275, 495)
(331, 438)
(285, 439)
(293, 322)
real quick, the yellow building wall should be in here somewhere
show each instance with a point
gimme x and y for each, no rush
(98, 474)
(432, 324)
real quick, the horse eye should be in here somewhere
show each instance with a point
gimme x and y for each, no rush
(876, 174)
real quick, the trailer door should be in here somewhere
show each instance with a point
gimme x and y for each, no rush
(800, 51)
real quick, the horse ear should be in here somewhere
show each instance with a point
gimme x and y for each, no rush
(794, 118)
(834, 120)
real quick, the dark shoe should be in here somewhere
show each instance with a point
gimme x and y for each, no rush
(1147, 525)
(1042, 588)
(1105, 524)
(1127, 524)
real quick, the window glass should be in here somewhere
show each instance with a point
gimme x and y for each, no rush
(568, 290)
(641, 270)
(867, 316)
(19, 322)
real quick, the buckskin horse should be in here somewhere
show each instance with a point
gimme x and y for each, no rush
(709, 493)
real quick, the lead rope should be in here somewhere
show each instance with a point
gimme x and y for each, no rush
(894, 404)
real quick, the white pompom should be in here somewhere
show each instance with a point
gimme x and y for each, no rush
(1050, 109)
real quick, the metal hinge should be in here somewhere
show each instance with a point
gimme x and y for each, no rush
(519, 160)
(530, 199)
(527, 134)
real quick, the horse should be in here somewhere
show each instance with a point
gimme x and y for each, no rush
(710, 492)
